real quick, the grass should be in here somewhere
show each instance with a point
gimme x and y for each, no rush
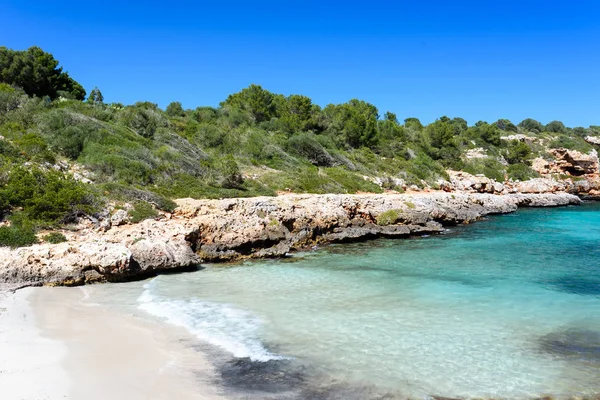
(410, 205)
(55, 238)
(389, 217)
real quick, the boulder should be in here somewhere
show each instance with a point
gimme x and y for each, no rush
(120, 217)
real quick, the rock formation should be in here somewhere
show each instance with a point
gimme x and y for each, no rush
(234, 229)
(567, 162)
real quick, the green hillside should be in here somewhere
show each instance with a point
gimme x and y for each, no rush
(63, 156)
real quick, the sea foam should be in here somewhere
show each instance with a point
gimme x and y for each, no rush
(222, 325)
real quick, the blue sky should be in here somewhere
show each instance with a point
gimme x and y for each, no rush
(478, 60)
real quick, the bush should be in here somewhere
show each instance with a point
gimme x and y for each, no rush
(175, 109)
(571, 143)
(15, 236)
(305, 145)
(352, 182)
(21, 232)
(517, 152)
(143, 118)
(132, 195)
(47, 197)
(521, 172)
(388, 217)
(55, 238)
(142, 211)
(489, 167)
(232, 177)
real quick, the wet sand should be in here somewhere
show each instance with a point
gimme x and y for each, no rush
(53, 345)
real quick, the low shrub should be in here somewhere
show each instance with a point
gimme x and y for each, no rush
(20, 233)
(306, 145)
(351, 182)
(141, 211)
(131, 194)
(388, 217)
(521, 172)
(55, 238)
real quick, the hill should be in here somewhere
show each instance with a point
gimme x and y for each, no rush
(63, 157)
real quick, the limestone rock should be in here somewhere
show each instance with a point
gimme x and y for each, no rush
(539, 185)
(575, 163)
(567, 162)
(463, 181)
(593, 140)
(120, 217)
(234, 229)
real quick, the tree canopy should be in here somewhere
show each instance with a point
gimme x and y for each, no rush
(37, 73)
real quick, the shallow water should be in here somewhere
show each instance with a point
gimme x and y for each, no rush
(508, 307)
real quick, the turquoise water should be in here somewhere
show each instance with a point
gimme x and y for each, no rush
(508, 307)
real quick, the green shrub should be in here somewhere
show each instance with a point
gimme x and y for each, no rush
(521, 172)
(8, 150)
(232, 177)
(305, 145)
(388, 217)
(489, 167)
(351, 182)
(47, 197)
(142, 121)
(35, 148)
(571, 143)
(141, 211)
(14, 236)
(55, 238)
(21, 232)
(132, 195)
(517, 152)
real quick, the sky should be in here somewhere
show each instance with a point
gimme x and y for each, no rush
(478, 60)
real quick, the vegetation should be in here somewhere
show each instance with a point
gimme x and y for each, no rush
(388, 217)
(55, 238)
(142, 211)
(17, 236)
(254, 143)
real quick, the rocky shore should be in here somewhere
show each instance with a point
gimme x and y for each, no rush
(234, 229)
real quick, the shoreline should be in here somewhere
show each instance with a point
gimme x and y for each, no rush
(58, 347)
(209, 231)
(86, 343)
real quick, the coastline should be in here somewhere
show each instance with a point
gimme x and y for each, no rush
(88, 345)
(58, 347)
(245, 228)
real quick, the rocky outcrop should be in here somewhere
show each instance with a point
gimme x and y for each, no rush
(247, 228)
(234, 229)
(520, 137)
(567, 162)
(93, 261)
(576, 163)
(595, 140)
(465, 182)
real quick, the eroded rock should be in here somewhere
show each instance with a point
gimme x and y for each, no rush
(234, 229)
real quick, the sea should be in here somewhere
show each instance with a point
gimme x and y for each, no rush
(504, 308)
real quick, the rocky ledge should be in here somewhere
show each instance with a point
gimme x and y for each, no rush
(235, 229)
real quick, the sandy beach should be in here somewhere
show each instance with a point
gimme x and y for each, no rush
(54, 345)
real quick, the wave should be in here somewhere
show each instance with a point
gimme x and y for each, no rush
(221, 325)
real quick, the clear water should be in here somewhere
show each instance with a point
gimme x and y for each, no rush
(508, 307)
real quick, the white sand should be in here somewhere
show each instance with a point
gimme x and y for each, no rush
(54, 346)
(30, 364)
